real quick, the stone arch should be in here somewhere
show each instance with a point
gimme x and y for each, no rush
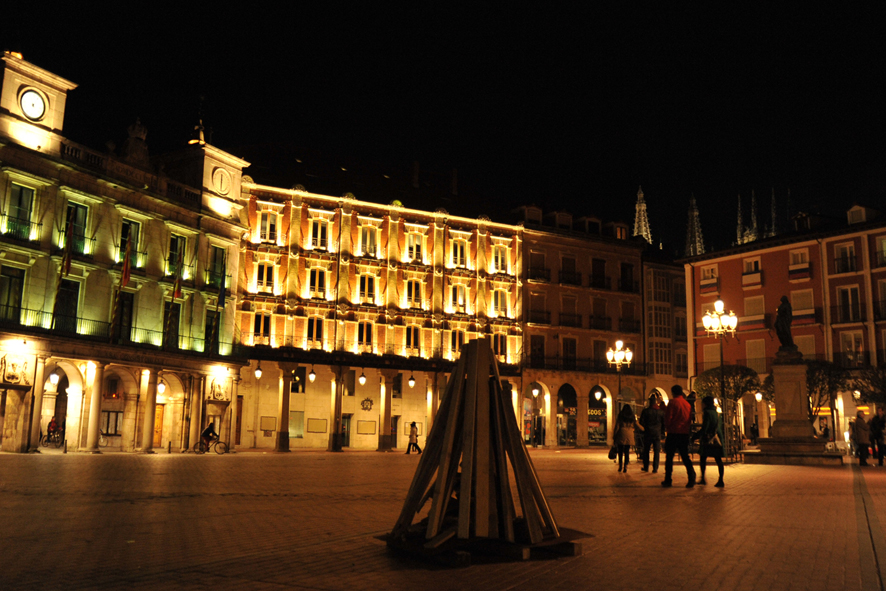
(536, 413)
(600, 415)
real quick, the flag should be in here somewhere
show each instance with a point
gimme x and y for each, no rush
(127, 264)
(177, 288)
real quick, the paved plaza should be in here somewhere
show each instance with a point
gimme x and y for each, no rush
(312, 520)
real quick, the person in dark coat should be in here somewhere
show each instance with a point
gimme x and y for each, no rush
(711, 439)
(878, 430)
(624, 435)
(677, 415)
(861, 436)
(652, 421)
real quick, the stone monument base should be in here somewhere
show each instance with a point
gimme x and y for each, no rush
(792, 451)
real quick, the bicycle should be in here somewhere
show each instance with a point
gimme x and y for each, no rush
(55, 438)
(216, 444)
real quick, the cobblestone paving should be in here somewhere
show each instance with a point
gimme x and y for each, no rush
(311, 520)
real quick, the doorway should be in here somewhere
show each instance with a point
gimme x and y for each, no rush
(346, 430)
(395, 421)
(158, 425)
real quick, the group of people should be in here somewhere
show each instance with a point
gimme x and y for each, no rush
(673, 421)
(869, 435)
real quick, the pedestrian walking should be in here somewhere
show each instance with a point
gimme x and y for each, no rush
(413, 439)
(652, 421)
(861, 435)
(878, 434)
(624, 436)
(711, 439)
(677, 439)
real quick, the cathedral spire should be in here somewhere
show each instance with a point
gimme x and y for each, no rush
(694, 240)
(641, 220)
(739, 230)
(773, 227)
(753, 228)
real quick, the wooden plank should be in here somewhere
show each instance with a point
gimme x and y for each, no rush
(506, 513)
(427, 466)
(445, 475)
(482, 452)
(466, 496)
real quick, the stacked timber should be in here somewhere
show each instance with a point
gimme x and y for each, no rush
(464, 471)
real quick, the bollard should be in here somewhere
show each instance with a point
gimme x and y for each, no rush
(169, 447)
(66, 446)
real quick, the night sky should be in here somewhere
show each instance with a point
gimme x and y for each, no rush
(565, 109)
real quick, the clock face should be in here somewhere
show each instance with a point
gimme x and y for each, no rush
(221, 178)
(33, 105)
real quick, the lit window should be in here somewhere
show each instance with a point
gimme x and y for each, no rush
(500, 346)
(315, 331)
(799, 257)
(413, 247)
(262, 328)
(412, 340)
(268, 226)
(459, 299)
(318, 234)
(367, 289)
(317, 283)
(413, 293)
(177, 245)
(708, 273)
(500, 302)
(751, 266)
(499, 259)
(265, 278)
(364, 336)
(458, 253)
(368, 241)
(457, 340)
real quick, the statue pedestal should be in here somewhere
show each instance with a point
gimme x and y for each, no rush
(792, 439)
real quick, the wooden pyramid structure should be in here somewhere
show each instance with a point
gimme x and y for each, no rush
(463, 471)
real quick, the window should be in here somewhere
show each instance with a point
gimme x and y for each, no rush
(129, 236)
(751, 266)
(265, 277)
(21, 204)
(709, 273)
(364, 335)
(711, 356)
(680, 332)
(318, 234)
(679, 294)
(412, 340)
(880, 255)
(268, 226)
(754, 306)
(262, 328)
(500, 302)
(799, 257)
(459, 258)
(217, 261)
(176, 256)
(845, 261)
(457, 340)
(317, 283)
(851, 349)
(12, 285)
(112, 422)
(500, 346)
(802, 300)
(459, 299)
(661, 291)
(368, 242)
(499, 259)
(413, 293)
(413, 247)
(367, 289)
(681, 363)
(806, 345)
(76, 216)
(756, 355)
(660, 322)
(661, 358)
(315, 330)
(848, 308)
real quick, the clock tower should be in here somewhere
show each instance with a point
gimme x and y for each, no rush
(32, 104)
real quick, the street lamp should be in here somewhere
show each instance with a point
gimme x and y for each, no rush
(312, 376)
(718, 323)
(258, 371)
(53, 378)
(362, 378)
(619, 357)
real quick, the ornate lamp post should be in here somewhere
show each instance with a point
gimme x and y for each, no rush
(718, 323)
(619, 357)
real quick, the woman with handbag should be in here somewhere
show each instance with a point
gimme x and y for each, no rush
(624, 436)
(711, 436)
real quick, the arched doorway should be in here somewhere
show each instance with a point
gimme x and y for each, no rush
(597, 416)
(566, 415)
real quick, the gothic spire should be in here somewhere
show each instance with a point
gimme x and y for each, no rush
(739, 230)
(641, 220)
(694, 240)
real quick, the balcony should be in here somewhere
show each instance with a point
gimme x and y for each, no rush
(845, 264)
(19, 229)
(628, 286)
(538, 274)
(852, 359)
(752, 279)
(539, 316)
(215, 280)
(573, 320)
(629, 325)
(570, 278)
(851, 313)
(600, 323)
(709, 285)
(137, 258)
(600, 282)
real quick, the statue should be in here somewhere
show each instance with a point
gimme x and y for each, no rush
(783, 318)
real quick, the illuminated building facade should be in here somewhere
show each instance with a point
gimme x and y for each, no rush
(834, 275)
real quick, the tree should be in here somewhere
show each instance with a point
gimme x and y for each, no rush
(871, 382)
(738, 380)
(823, 380)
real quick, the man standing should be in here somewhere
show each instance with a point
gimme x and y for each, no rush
(677, 425)
(652, 421)
(878, 429)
